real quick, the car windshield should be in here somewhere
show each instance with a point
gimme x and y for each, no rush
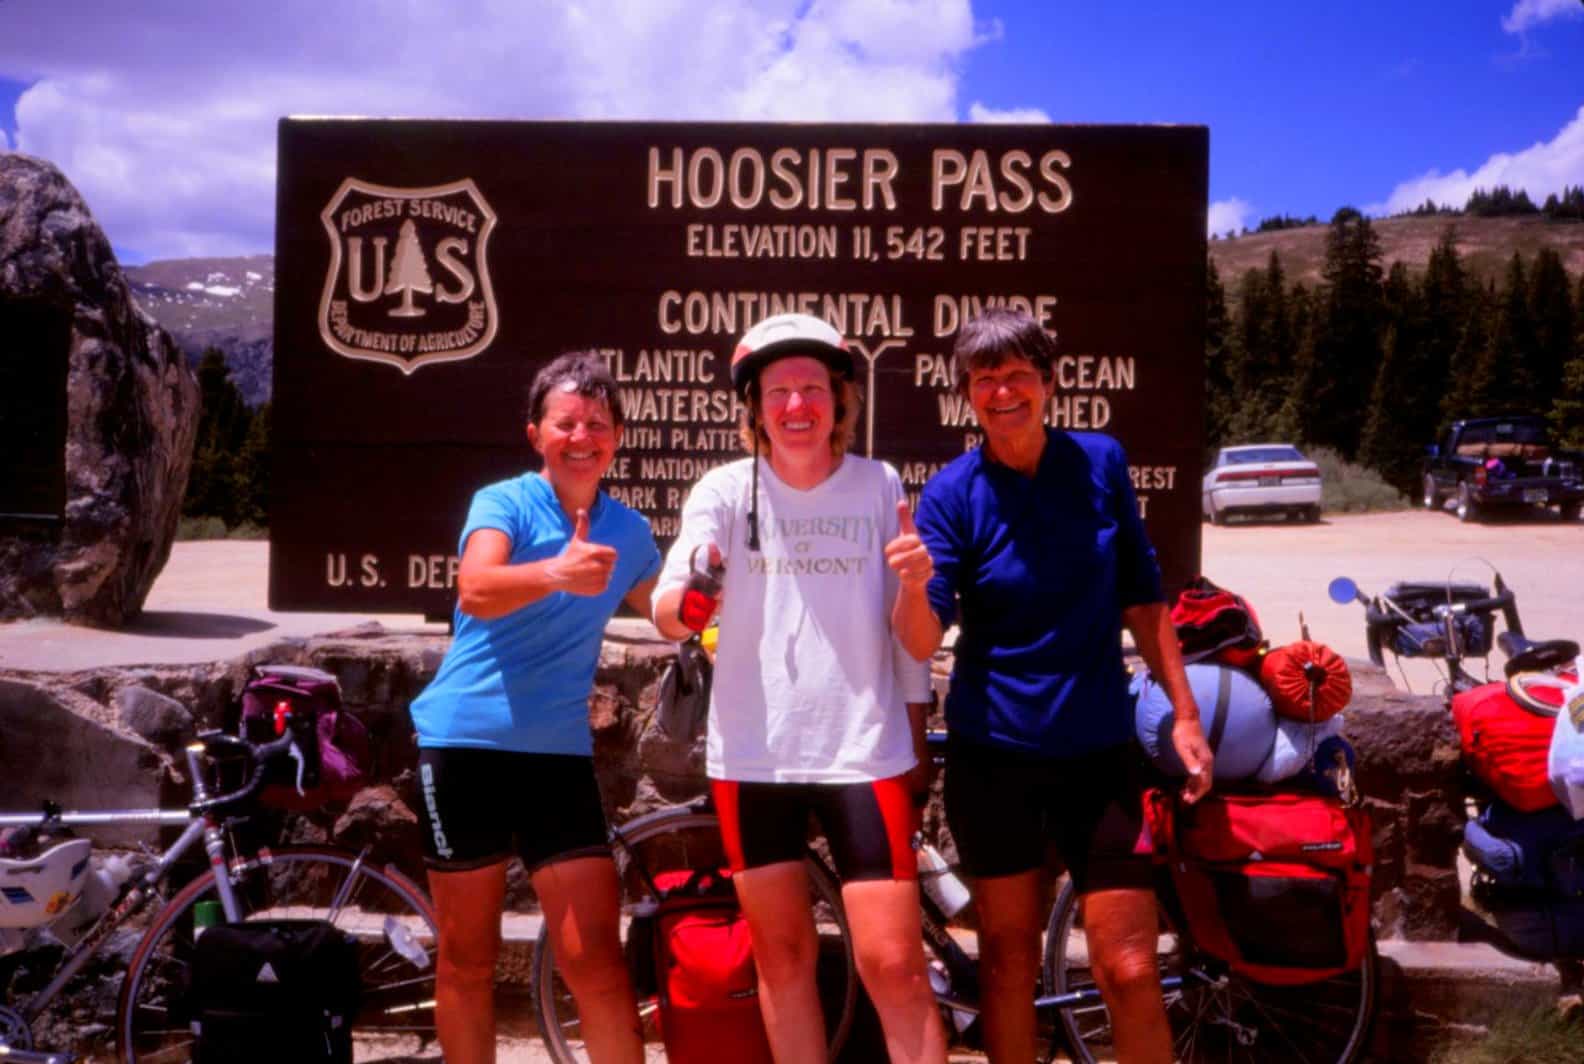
(1261, 454)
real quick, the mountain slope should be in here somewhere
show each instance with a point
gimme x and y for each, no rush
(224, 303)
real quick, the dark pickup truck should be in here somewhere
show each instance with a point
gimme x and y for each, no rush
(1484, 463)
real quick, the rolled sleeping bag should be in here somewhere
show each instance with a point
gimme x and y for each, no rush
(1282, 673)
(1518, 849)
(1295, 742)
(1233, 709)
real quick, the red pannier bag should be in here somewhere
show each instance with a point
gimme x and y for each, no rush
(1275, 885)
(1213, 624)
(708, 987)
(1506, 746)
(1282, 675)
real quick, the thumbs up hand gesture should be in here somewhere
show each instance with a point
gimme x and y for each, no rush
(583, 567)
(906, 554)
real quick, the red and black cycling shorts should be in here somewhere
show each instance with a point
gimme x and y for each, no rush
(869, 825)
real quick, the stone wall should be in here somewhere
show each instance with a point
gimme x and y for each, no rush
(126, 728)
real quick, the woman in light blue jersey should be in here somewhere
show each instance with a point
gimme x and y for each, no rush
(505, 755)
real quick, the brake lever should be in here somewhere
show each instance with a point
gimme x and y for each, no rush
(302, 766)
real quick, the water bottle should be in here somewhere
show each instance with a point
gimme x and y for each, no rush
(940, 985)
(100, 887)
(939, 881)
(206, 914)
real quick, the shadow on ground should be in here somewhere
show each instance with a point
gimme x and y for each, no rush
(190, 624)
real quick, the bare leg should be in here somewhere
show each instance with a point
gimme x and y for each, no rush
(888, 942)
(775, 899)
(1122, 928)
(468, 910)
(1009, 933)
(581, 899)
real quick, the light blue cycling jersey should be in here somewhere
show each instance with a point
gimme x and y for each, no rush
(521, 682)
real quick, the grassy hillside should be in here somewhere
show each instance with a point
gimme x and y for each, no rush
(1485, 244)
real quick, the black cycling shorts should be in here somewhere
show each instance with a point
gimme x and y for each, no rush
(481, 806)
(1005, 807)
(869, 826)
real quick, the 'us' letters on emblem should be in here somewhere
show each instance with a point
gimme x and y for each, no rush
(408, 282)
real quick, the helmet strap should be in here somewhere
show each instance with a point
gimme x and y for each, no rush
(753, 492)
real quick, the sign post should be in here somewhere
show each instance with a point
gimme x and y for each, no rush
(426, 269)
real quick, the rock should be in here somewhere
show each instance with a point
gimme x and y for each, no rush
(130, 413)
(51, 751)
(378, 819)
(162, 721)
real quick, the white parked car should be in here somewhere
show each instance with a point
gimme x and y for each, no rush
(1261, 478)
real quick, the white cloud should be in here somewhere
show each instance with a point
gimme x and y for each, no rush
(163, 113)
(1540, 170)
(1528, 13)
(978, 112)
(5, 145)
(1229, 216)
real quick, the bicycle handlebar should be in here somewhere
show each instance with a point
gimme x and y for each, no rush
(1505, 602)
(259, 756)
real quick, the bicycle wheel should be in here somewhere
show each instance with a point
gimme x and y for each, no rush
(690, 838)
(382, 909)
(1216, 1015)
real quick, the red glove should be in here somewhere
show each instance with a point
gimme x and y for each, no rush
(701, 593)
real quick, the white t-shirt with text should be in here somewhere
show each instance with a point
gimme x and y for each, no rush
(810, 686)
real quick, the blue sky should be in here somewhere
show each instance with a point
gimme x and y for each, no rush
(163, 113)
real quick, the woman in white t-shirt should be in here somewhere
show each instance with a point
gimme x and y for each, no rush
(815, 707)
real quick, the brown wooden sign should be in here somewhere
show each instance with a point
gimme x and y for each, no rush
(425, 270)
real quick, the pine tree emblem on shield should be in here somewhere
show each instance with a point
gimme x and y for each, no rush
(408, 282)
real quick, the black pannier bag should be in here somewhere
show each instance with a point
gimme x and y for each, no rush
(271, 991)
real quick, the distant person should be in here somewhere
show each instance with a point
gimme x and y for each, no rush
(505, 761)
(815, 708)
(1040, 556)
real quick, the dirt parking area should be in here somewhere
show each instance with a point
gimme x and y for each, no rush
(1283, 568)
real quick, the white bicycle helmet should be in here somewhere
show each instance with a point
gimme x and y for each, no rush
(35, 890)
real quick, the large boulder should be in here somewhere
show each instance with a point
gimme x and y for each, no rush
(124, 425)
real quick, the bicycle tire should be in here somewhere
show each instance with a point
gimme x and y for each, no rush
(378, 905)
(690, 838)
(1232, 1019)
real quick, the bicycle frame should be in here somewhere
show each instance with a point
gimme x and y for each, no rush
(963, 970)
(136, 893)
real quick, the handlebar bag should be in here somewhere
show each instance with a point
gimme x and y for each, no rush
(336, 751)
(1215, 624)
(268, 991)
(704, 971)
(682, 701)
(1505, 746)
(1282, 674)
(1275, 885)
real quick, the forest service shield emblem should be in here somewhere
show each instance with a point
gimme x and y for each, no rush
(408, 282)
